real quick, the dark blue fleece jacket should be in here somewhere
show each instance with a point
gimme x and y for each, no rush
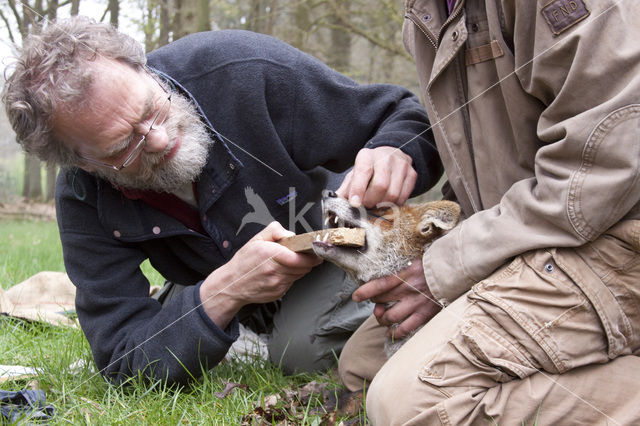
(284, 117)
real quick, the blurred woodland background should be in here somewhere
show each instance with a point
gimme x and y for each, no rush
(360, 38)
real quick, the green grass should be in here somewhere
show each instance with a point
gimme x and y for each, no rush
(29, 247)
(80, 396)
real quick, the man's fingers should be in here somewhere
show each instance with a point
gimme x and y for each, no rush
(375, 287)
(407, 326)
(362, 173)
(292, 260)
(402, 184)
(343, 190)
(399, 177)
(406, 314)
(264, 246)
(408, 183)
(380, 174)
(378, 187)
(378, 311)
(273, 232)
(399, 312)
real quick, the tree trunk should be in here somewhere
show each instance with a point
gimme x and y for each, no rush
(75, 7)
(114, 12)
(52, 173)
(177, 19)
(32, 178)
(339, 55)
(302, 24)
(52, 13)
(186, 18)
(165, 23)
(204, 21)
(261, 17)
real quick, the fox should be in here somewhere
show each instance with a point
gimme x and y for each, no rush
(395, 236)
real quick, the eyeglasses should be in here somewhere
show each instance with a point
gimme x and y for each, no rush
(158, 121)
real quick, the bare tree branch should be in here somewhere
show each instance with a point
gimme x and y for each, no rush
(349, 25)
(16, 15)
(9, 32)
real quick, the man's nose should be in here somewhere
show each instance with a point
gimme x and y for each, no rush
(157, 140)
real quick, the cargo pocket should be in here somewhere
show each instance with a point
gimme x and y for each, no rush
(536, 306)
(608, 277)
(477, 356)
(527, 316)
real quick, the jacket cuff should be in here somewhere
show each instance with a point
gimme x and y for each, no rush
(442, 264)
(229, 334)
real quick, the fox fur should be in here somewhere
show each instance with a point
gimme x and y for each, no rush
(395, 236)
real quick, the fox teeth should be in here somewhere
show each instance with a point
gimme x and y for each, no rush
(326, 222)
(325, 237)
(317, 237)
(335, 220)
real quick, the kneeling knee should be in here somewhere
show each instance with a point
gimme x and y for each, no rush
(299, 357)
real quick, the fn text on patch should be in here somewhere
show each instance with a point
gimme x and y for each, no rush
(563, 14)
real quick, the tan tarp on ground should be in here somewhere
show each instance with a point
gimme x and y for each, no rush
(46, 296)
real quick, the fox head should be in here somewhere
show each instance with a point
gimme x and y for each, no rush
(395, 235)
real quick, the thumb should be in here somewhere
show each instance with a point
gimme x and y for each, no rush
(273, 232)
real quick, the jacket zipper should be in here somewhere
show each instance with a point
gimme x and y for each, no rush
(430, 36)
(434, 42)
(454, 15)
(465, 112)
(423, 29)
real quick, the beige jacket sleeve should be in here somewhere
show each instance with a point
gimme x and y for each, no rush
(587, 174)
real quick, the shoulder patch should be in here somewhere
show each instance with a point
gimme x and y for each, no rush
(562, 14)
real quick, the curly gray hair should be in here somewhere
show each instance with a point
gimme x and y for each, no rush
(50, 71)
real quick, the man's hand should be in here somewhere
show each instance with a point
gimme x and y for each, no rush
(414, 304)
(380, 174)
(261, 271)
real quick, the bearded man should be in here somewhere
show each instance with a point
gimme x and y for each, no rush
(159, 156)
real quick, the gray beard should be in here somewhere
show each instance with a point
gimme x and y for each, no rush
(185, 166)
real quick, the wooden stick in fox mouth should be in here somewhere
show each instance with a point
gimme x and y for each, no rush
(346, 237)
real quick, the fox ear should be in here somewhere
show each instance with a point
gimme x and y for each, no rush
(442, 217)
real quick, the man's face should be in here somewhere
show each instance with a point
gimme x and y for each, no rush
(123, 103)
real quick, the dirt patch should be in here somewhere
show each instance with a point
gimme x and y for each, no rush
(23, 209)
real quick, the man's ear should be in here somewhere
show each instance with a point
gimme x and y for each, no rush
(439, 216)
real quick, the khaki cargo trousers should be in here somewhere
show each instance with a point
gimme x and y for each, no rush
(550, 338)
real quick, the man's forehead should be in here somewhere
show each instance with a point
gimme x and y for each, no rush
(101, 75)
(117, 92)
(109, 81)
(104, 70)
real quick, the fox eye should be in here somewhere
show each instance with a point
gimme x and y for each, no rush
(387, 219)
(384, 213)
(381, 211)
